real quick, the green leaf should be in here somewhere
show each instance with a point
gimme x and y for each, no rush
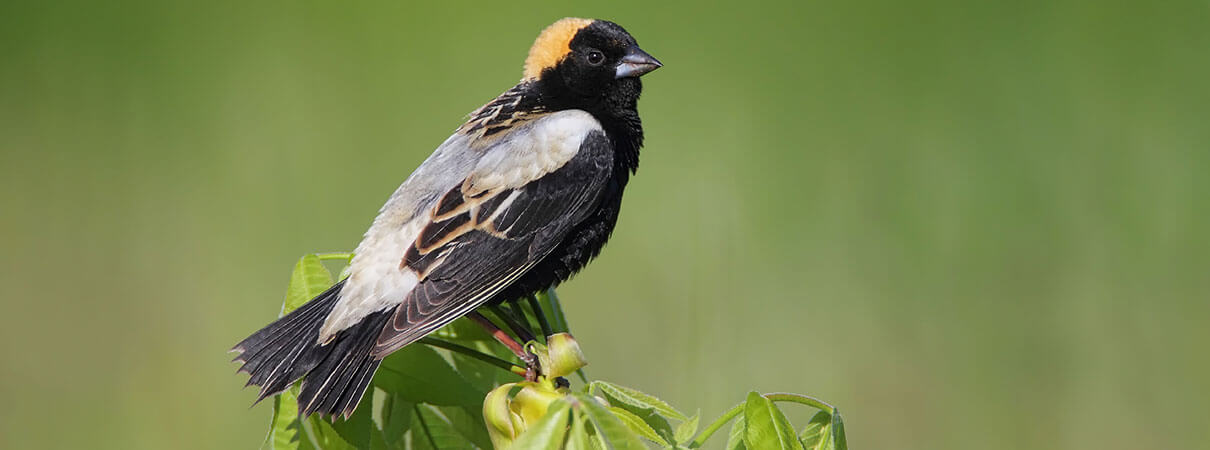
(548, 432)
(639, 400)
(464, 331)
(418, 374)
(766, 426)
(468, 422)
(817, 433)
(611, 431)
(377, 442)
(841, 442)
(285, 431)
(577, 437)
(824, 432)
(357, 429)
(553, 310)
(420, 437)
(735, 441)
(326, 437)
(309, 279)
(483, 376)
(441, 428)
(643, 411)
(396, 419)
(637, 425)
(686, 430)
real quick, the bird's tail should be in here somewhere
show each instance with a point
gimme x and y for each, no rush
(335, 374)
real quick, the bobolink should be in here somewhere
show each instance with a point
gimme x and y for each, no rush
(517, 200)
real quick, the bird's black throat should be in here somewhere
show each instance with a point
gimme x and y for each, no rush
(616, 111)
(614, 103)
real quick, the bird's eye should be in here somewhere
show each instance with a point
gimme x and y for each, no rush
(595, 58)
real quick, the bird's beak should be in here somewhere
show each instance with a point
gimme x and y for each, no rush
(636, 62)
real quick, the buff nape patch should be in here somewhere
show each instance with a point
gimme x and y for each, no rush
(552, 45)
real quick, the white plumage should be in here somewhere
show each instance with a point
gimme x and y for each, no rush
(537, 147)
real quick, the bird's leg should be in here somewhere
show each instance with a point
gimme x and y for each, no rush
(530, 360)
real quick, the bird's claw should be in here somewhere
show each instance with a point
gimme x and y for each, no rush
(533, 368)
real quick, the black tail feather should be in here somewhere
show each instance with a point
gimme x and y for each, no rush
(336, 374)
(336, 385)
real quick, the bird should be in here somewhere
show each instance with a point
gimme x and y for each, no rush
(517, 200)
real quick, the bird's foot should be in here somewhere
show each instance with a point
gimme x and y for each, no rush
(533, 366)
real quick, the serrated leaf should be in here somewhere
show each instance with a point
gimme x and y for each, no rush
(639, 399)
(441, 428)
(642, 411)
(824, 432)
(612, 432)
(735, 440)
(420, 437)
(468, 422)
(766, 427)
(483, 376)
(815, 435)
(326, 437)
(309, 279)
(637, 425)
(396, 419)
(548, 432)
(687, 429)
(285, 431)
(357, 429)
(418, 374)
(841, 442)
(577, 437)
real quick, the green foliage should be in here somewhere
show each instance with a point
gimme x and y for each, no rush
(766, 427)
(460, 392)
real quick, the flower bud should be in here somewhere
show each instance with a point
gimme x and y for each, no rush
(532, 401)
(502, 427)
(564, 355)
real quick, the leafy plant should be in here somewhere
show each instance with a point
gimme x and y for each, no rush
(459, 390)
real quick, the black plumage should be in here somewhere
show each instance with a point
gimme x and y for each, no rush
(524, 194)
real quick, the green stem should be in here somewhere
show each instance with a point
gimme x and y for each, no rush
(520, 327)
(802, 400)
(542, 322)
(556, 311)
(776, 397)
(473, 354)
(334, 256)
(712, 428)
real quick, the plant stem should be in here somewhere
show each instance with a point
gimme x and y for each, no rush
(776, 397)
(802, 400)
(334, 256)
(473, 354)
(713, 427)
(542, 322)
(556, 311)
(519, 326)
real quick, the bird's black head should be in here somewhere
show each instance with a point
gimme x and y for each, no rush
(592, 65)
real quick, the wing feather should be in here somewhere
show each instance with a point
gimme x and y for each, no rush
(469, 173)
(520, 227)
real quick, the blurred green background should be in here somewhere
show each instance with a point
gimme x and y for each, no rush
(967, 225)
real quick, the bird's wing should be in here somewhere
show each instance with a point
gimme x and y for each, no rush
(491, 229)
(512, 186)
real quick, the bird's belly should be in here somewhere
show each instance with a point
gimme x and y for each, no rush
(581, 245)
